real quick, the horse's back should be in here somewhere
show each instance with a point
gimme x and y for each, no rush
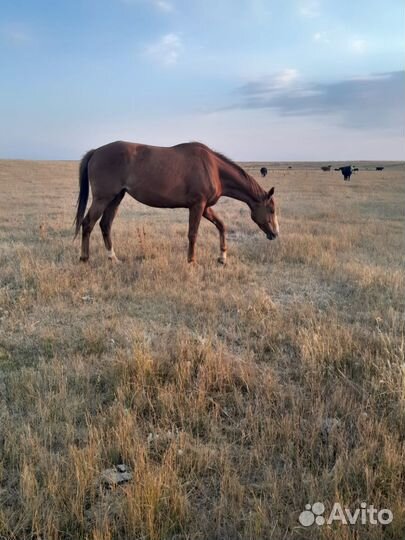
(175, 176)
(159, 176)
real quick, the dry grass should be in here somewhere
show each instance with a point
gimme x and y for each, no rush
(212, 384)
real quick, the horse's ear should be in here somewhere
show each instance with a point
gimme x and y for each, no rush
(270, 193)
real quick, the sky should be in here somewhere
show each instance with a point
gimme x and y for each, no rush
(257, 80)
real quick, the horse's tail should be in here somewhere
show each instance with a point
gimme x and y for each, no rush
(83, 190)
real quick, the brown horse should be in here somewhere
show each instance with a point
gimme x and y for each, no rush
(189, 175)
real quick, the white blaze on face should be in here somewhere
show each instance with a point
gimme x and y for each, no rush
(276, 227)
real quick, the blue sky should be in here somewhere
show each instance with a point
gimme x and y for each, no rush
(258, 80)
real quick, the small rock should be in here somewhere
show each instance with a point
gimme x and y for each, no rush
(328, 426)
(115, 477)
(152, 437)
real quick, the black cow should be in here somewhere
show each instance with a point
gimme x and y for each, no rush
(263, 171)
(379, 168)
(326, 168)
(355, 169)
(346, 171)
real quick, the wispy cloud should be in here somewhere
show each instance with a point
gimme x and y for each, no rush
(286, 78)
(259, 91)
(166, 50)
(279, 82)
(309, 9)
(358, 45)
(161, 5)
(362, 102)
(320, 37)
(15, 34)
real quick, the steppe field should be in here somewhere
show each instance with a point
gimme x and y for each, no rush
(234, 394)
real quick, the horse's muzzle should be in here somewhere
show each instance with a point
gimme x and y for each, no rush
(271, 236)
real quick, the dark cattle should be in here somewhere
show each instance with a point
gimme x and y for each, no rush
(338, 169)
(326, 168)
(379, 168)
(289, 167)
(263, 171)
(346, 171)
(355, 169)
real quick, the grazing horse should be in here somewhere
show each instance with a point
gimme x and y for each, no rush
(188, 175)
(263, 171)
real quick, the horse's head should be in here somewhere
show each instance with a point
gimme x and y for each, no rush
(265, 216)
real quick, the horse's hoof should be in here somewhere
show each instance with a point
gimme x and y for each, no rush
(84, 259)
(222, 258)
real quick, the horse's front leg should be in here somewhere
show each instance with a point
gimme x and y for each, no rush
(212, 216)
(196, 212)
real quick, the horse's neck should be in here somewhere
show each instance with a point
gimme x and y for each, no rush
(237, 186)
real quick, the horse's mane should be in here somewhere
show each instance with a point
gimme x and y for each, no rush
(233, 164)
(256, 187)
(252, 182)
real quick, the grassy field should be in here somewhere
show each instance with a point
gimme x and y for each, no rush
(236, 395)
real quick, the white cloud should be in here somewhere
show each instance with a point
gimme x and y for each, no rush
(15, 35)
(268, 87)
(358, 45)
(165, 50)
(163, 5)
(286, 78)
(320, 37)
(371, 77)
(309, 9)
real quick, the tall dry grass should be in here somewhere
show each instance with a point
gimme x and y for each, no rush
(235, 395)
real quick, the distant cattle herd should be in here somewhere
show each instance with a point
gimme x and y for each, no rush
(346, 170)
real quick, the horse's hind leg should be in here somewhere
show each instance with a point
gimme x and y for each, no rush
(219, 224)
(196, 212)
(96, 209)
(106, 223)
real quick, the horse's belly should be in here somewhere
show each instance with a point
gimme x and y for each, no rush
(159, 198)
